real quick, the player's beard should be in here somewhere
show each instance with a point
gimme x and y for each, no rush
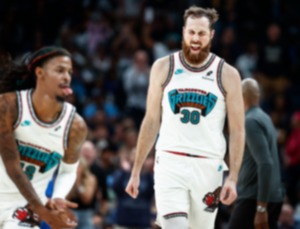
(198, 58)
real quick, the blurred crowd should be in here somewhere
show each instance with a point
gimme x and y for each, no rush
(114, 43)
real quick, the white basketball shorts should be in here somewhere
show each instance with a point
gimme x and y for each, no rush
(187, 186)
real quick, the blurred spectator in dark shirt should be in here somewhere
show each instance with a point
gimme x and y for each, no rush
(273, 61)
(89, 153)
(134, 213)
(246, 63)
(135, 82)
(84, 194)
(130, 140)
(227, 47)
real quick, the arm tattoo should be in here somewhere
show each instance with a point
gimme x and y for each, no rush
(77, 136)
(9, 150)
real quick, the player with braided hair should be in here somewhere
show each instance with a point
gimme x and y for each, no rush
(39, 133)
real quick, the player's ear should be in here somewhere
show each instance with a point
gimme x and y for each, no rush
(39, 72)
(212, 34)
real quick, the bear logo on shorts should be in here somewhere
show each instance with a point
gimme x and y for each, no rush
(26, 217)
(212, 200)
(21, 214)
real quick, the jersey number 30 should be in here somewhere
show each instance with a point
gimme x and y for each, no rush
(190, 116)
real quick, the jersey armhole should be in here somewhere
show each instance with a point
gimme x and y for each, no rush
(219, 77)
(171, 70)
(20, 110)
(68, 126)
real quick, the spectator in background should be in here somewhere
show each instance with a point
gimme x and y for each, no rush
(292, 159)
(135, 81)
(89, 153)
(98, 31)
(227, 46)
(84, 194)
(133, 213)
(246, 62)
(107, 163)
(273, 61)
(125, 45)
(101, 60)
(260, 192)
(119, 132)
(130, 140)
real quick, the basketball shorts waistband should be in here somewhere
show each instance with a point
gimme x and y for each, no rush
(184, 154)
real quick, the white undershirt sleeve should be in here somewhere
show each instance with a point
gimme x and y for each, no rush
(65, 179)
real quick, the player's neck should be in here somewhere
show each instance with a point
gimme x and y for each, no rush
(200, 64)
(47, 109)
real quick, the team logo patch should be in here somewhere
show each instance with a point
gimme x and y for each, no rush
(26, 217)
(220, 168)
(57, 128)
(40, 157)
(212, 200)
(209, 76)
(189, 97)
(178, 71)
(26, 123)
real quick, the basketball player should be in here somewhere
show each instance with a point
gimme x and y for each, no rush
(38, 133)
(190, 94)
(260, 190)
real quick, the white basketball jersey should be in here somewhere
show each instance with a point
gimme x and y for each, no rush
(193, 109)
(41, 147)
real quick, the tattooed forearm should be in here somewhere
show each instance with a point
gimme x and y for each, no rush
(9, 151)
(11, 161)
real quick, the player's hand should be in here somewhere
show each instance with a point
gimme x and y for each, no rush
(228, 193)
(56, 219)
(62, 206)
(261, 220)
(133, 186)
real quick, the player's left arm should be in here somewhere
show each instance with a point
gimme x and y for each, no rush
(68, 167)
(231, 81)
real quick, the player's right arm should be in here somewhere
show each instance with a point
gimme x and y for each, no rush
(11, 160)
(151, 121)
(9, 150)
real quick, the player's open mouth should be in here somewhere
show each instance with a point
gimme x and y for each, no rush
(195, 47)
(66, 89)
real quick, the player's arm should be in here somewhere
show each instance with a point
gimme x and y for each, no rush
(236, 119)
(68, 166)
(151, 121)
(10, 154)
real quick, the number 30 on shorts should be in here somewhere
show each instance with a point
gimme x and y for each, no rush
(190, 116)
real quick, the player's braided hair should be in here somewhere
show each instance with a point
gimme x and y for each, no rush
(19, 74)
